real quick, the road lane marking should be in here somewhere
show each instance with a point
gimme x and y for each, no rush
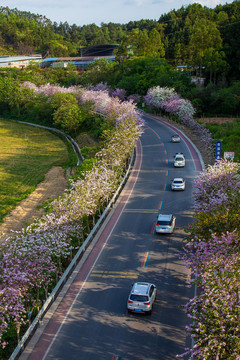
(145, 211)
(153, 171)
(151, 145)
(115, 274)
(145, 259)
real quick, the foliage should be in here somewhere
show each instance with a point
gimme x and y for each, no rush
(212, 254)
(141, 43)
(135, 75)
(214, 102)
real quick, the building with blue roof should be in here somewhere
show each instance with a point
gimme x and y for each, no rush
(20, 62)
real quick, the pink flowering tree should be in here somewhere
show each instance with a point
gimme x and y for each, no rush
(168, 101)
(119, 93)
(100, 87)
(135, 98)
(211, 252)
(217, 196)
(25, 269)
(217, 187)
(214, 313)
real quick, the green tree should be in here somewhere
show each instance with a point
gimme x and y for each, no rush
(63, 99)
(69, 117)
(140, 43)
(205, 41)
(155, 47)
(215, 63)
(99, 71)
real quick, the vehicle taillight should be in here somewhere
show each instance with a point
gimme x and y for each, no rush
(147, 303)
(130, 301)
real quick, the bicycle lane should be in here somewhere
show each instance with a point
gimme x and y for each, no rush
(40, 343)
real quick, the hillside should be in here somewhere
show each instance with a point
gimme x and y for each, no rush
(175, 35)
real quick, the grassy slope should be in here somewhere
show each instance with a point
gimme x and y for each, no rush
(26, 154)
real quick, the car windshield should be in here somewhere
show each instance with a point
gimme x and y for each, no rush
(179, 158)
(177, 181)
(164, 222)
(140, 298)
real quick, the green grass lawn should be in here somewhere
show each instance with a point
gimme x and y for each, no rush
(26, 155)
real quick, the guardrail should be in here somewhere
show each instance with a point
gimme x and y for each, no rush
(52, 297)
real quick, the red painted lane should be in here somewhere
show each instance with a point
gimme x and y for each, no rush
(60, 314)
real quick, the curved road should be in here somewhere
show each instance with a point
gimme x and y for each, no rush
(92, 322)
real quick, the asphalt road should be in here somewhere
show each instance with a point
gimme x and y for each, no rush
(98, 326)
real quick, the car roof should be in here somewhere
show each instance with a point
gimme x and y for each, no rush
(140, 288)
(164, 217)
(178, 179)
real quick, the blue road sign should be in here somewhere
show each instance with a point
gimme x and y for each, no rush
(218, 150)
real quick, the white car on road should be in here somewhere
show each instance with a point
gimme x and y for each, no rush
(178, 184)
(165, 224)
(179, 160)
(142, 297)
(175, 138)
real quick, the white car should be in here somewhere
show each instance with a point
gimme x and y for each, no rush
(179, 160)
(165, 224)
(141, 297)
(178, 184)
(175, 138)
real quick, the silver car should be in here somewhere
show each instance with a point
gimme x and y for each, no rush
(142, 297)
(165, 224)
(178, 184)
(179, 160)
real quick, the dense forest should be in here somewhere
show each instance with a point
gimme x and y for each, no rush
(192, 35)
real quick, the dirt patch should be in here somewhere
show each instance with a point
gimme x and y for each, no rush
(24, 214)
